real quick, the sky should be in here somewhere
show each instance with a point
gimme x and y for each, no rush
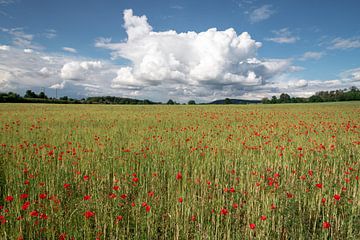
(182, 50)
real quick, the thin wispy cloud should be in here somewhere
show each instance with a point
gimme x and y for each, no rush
(282, 36)
(260, 14)
(69, 49)
(7, 2)
(244, 3)
(50, 33)
(311, 56)
(177, 7)
(22, 39)
(345, 43)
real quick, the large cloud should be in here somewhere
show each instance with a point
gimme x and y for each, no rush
(79, 70)
(78, 77)
(215, 59)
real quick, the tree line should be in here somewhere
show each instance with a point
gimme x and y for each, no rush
(352, 94)
(32, 97)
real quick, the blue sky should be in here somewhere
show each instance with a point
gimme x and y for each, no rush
(236, 48)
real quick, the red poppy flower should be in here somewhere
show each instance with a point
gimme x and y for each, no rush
(116, 188)
(34, 213)
(62, 236)
(42, 195)
(263, 218)
(179, 176)
(66, 185)
(326, 225)
(337, 197)
(123, 196)
(25, 205)
(224, 211)
(119, 218)
(319, 185)
(180, 199)
(87, 197)
(24, 196)
(112, 195)
(89, 214)
(135, 179)
(9, 198)
(252, 226)
(2, 219)
(86, 178)
(147, 208)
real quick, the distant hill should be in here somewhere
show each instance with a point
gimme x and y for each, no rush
(234, 101)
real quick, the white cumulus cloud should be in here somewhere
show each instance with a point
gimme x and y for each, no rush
(79, 70)
(298, 84)
(212, 59)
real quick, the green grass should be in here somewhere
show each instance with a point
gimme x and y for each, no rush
(236, 162)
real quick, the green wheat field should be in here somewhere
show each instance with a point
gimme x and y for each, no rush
(287, 171)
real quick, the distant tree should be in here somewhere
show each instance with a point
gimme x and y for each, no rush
(284, 98)
(227, 101)
(146, 101)
(64, 98)
(30, 94)
(265, 100)
(315, 98)
(273, 99)
(191, 102)
(354, 89)
(297, 100)
(42, 95)
(170, 102)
